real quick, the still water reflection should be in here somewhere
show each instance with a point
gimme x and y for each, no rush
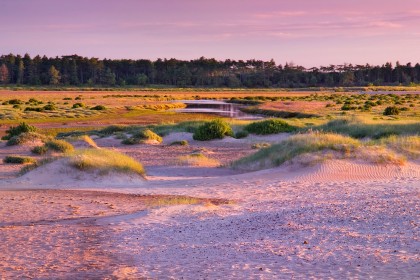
(215, 107)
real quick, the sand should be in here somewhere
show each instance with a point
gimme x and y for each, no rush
(339, 219)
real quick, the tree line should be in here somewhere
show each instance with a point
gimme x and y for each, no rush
(74, 70)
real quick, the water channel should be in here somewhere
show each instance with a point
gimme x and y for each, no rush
(217, 107)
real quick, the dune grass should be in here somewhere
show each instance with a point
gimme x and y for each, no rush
(60, 146)
(338, 146)
(196, 159)
(104, 161)
(142, 136)
(406, 145)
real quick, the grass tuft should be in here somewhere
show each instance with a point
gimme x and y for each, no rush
(105, 161)
(19, 160)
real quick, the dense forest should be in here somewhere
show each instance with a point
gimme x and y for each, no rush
(75, 70)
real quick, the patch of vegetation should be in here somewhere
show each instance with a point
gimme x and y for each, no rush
(40, 150)
(49, 107)
(196, 159)
(261, 145)
(98, 108)
(78, 105)
(406, 145)
(25, 137)
(216, 129)
(318, 144)
(18, 160)
(295, 146)
(179, 143)
(59, 146)
(142, 136)
(359, 128)
(272, 126)
(16, 130)
(104, 161)
(276, 113)
(241, 134)
(391, 111)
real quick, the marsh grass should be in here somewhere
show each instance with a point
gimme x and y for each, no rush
(361, 128)
(105, 161)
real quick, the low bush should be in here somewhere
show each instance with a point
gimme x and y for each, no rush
(78, 105)
(269, 127)
(49, 107)
(59, 146)
(391, 110)
(16, 130)
(40, 150)
(98, 108)
(216, 129)
(241, 134)
(18, 160)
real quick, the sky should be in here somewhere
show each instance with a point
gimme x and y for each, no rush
(310, 33)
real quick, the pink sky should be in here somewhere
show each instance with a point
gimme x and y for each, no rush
(307, 32)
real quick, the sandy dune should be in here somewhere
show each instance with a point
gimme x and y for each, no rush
(339, 219)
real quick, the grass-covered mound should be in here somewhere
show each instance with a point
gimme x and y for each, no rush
(25, 137)
(360, 128)
(105, 161)
(216, 129)
(143, 136)
(271, 126)
(338, 146)
(17, 130)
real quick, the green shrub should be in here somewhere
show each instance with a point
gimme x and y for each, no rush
(16, 130)
(17, 106)
(269, 127)
(50, 107)
(391, 110)
(15, 102)
(78, 105)
(34, 109)
(99, 108)
(18, 160)
(179, 143)
(141, 137)
(241, 134)
(60, 146)
(216, 129)
(40, 150)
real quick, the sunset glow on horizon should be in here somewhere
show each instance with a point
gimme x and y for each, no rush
(306, 32)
